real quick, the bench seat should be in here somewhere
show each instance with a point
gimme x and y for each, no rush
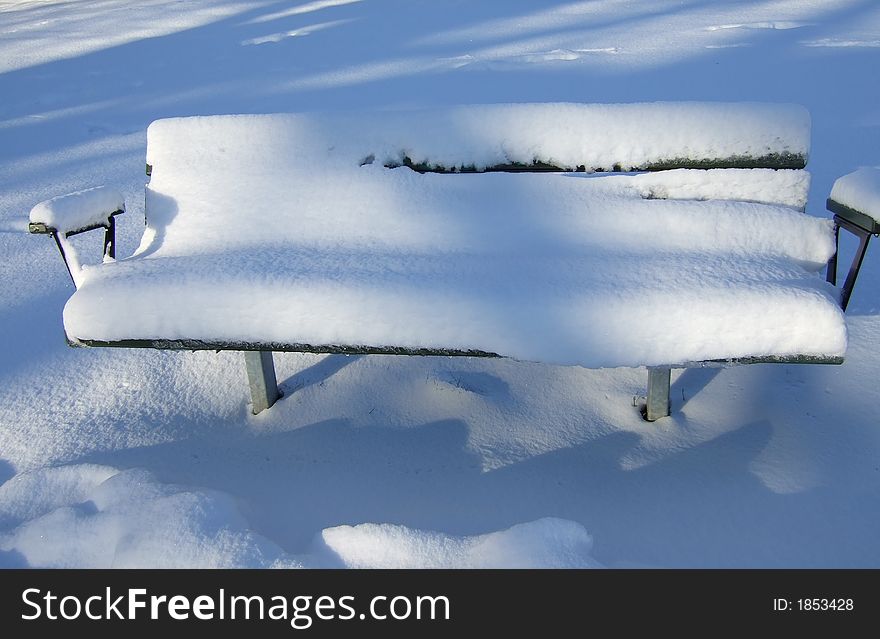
(594, 270)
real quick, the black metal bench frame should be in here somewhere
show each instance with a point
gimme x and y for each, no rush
(109, 226)
(863, 227)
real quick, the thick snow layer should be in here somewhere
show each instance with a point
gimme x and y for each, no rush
(594, 136)
(250, 241)
(76, 211)
(755, 185)
(98, 517)
(860, 190)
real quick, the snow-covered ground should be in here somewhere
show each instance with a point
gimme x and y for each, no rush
(144, 458)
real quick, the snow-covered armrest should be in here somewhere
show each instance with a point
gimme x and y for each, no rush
(855, 202)
(67, 215)
(856, 198)
(76, 212)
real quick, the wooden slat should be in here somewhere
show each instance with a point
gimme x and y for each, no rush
(770, 161)
(347, 349)
(862, 220)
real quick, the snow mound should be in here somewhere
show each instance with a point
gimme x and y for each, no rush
(89, 516)
(545, 543)
(31, 495)
(79, 210)
(860, 190)
(96, 517)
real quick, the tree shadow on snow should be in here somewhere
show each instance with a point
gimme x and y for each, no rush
(698, 507)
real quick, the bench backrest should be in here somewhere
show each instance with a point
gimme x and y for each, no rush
(566, 137)
(270, 178)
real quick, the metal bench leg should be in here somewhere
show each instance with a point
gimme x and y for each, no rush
(261, 378)
(658, 393)
(850, 282)
(863, 227)
(110, 238)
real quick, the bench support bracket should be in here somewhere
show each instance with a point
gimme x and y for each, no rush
(657, 405)
(109, 239)
(261, 379)
(863, 228)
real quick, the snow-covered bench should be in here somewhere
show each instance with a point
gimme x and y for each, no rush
(481, 230)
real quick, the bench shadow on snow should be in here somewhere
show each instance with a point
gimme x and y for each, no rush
(689, 384)
(317, 373)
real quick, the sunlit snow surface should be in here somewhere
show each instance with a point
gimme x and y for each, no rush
(410, 461)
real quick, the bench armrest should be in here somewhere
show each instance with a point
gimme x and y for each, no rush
(856, 198)
(67, 215)
(855, 203)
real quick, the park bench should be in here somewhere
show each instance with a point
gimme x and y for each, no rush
(656, 235)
